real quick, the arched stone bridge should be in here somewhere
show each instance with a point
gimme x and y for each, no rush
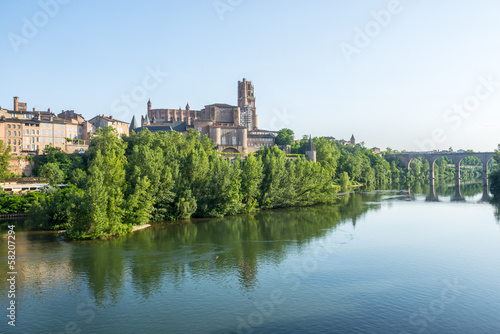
(485, 157)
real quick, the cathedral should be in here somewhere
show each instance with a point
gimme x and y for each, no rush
(233, 128)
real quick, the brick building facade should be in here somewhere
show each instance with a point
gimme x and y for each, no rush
(29, 132)
(232, 128)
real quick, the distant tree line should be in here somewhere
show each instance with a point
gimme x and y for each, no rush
(494, 177)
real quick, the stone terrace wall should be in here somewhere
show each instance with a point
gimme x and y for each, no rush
(20, 166)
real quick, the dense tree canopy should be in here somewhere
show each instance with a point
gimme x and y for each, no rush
(285, 137)
(165, 176)
(146, 177)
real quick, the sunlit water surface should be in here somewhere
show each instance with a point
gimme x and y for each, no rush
(378, 262)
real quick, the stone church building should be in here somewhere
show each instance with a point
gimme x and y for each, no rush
(233, 128)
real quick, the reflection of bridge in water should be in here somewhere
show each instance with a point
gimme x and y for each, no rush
(457, 158)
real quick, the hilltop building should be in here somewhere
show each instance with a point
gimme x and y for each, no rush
(352, 141)
(233, 128)
(101, 121)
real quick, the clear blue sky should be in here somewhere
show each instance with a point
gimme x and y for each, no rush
(397, 90)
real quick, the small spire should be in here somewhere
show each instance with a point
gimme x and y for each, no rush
(310, 146)
(133, 123)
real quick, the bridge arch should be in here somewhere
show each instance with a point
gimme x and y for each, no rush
(456, 157)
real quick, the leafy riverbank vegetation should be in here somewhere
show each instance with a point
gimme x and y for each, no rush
(167, 176)
(145, 177)
(494, 177)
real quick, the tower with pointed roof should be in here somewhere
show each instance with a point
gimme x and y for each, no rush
(133, 124)
(310, 150)
(146, 121)
(149, 105)
(353, 141)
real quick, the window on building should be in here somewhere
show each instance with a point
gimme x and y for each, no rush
(62, 126)
(55, 132)
(8, 141)
(43, 132)
(56, 140)
(47, 125)
(234, 140)
(62, 133)
(80, 130)
(15, 149)
(43, 139)
(32, 132)
(62, 140)
(8, 126)
(15, 141)
(223, 140)
(8, 133)
(50, 132)
(50, 140)
(18, 126)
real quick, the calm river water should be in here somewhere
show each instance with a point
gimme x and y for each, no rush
(378, 262)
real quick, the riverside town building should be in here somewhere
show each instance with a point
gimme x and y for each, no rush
(29, 132)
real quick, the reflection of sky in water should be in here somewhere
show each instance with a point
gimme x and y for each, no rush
(366, 264)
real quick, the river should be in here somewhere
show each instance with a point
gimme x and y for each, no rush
(377, 262)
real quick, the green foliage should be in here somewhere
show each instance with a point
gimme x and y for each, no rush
(285, 137)
(344, 181)
(78, 177)
(4, 161)
(67, 163)
(52, 173)
(251, 179)
(17, 203)
(494, 177)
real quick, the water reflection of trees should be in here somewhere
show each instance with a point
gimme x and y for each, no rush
(213, 249)
(443, 187)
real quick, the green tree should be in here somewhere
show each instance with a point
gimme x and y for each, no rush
(52, 173)
(251, 179)
(4, 160)
(344, 181)
(285, 137)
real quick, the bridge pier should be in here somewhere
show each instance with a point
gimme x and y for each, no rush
(485, 174)
(458, 194)
(432, 197)
(486, 195)
(457, 171)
